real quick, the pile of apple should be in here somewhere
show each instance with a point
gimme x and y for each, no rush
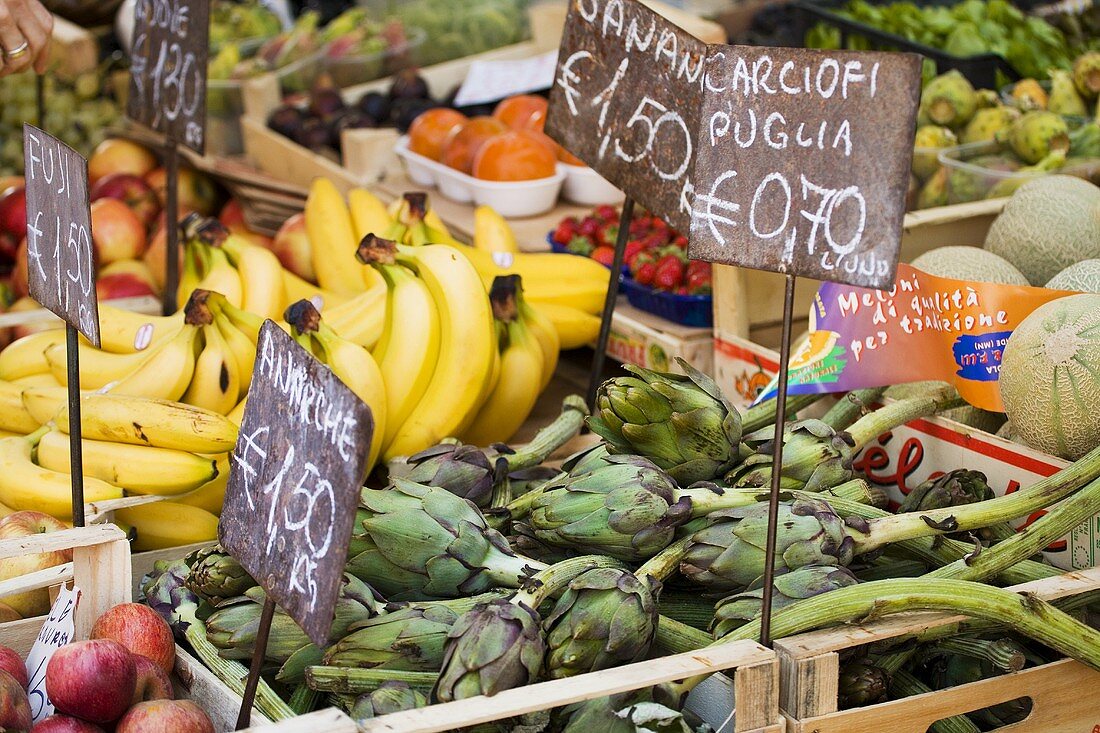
(116, 680)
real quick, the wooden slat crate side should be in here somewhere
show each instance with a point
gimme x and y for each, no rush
(329, 720)
(194, 681)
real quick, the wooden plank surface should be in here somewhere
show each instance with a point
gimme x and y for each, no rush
(555, 693)
(329, 720)
(203, 686)
(63, 540)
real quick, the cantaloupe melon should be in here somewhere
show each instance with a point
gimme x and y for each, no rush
(969, 263)
(1049, 224)
(1050, 376)
(1084, 277)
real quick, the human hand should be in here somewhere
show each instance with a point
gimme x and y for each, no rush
(25, 30)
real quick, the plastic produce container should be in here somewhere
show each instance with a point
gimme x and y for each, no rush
(509, 198)
(587, 187)
(972, 176)
(687, 310)
(352, 70)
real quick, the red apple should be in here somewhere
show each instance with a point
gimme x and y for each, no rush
(7, 182)
(141, 630)
(131, 190)
(13, 211)
(233, 217)
(9, 247)
(122, 285)
(115, 155)
(291, 246)
(26, 524)
(158, 716)
(65, 724)
(93, 680)
(15, 709)
(18, 279)
(117, 232)
(12, 663)
(17, 332)
(197, 191)
(152, 681)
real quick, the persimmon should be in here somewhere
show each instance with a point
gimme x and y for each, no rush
(522, 112)
(516, 155)
(462, 146)
(568, 158)
(430, 130)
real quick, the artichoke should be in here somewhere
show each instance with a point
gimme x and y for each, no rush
(409, 638)
(625, 507)
(951, 489)
(683, 423)
(390, 697)
(728, 553)
(627, 712)
(424, 542)
(216, 575)
(814, 455)
(605, 618)
(463, 470)
(735, 611)
(861, 683)
(495, 646)
(165, 591)
(233, 626)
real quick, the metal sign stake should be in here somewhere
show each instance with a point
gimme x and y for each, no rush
(777, 462)
(171, 221)
(609, 303)
(266, 616)
(76, 452)
(40, 91)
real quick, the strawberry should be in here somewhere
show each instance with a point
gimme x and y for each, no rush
(645, 257)
(588, 228)
(633, 249)
(604, 255)
(607, 212)
(645, 273)
(698, 277)
(607, 233)
(669, 274)
(579, 246)
(565, 231)
(680, 241)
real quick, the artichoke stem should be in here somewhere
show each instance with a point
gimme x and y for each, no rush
(304, 700)
(234, 674)
(354, 681)
(675, 637)
(553, 436)
(763, 415)
(665, 562)
(1040, 495)
(551, 581)
(1022, 545)
(1001, 653)
(851, 407)
(904, 684)
(874, 424)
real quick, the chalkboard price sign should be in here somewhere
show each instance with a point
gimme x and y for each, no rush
(60, 259)
(294, 480)
(803, 161)
(168, 69)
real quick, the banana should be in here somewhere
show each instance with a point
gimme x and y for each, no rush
(221, 277)
(37, 380)
(247, 323)
(580, 294)
(137, 420)
(409, 347)
(361, 319)
(356, 368)
(543, 330)
(332, 239)
(97, 368)
(368, 213)
(24, 485)
(163, 524)
(545, 268)
(298, 289)
(14, 417)
(236, 415)
(261, 277)
(5, 510)
(215, 384)
(492, 233)
(242, 348)
(195, 262)
(211, 495)
(438, 231)
(465, 353)
(25, 356)
(575, 327)
(124, 332)
(515, 393)
(166, 373)
(136, 468)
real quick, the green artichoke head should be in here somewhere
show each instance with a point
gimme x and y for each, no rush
(814, 454)
(409, 638)
(463, 470)
(683, 423)
(605, 618)
(496, 646)
(954, 488)
(729, 553)
(626, 508)
(165, 591)
(627, 712)
(740, 608)
(419, 542)
(861, 683)
(390, 697)
(216, 575)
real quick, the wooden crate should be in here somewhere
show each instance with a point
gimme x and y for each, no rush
(756, 678)
(652, 342)
(810, 665)
(101, 568)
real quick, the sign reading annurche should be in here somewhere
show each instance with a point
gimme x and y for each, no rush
(168, 69)
(294, 480)
(803, 161)
(626, 100)
(60, 261)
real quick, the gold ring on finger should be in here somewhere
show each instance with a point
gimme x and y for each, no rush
(17, 52)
